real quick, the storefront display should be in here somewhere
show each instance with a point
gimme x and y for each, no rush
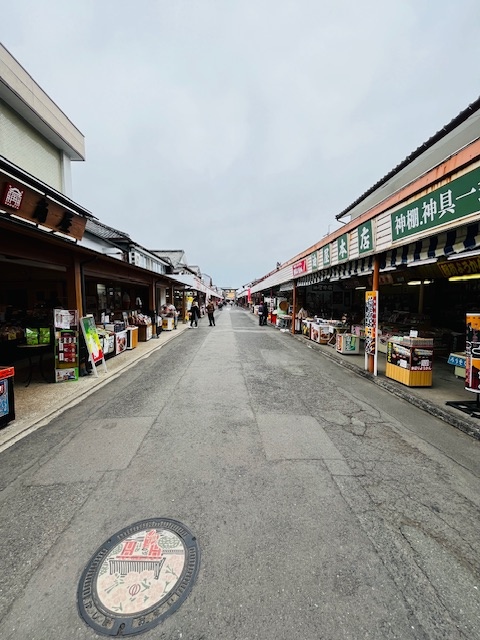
(144, 324)
(66, 345)
(410, 361)
(347, 343)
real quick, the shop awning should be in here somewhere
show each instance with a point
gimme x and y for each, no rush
(428, 250)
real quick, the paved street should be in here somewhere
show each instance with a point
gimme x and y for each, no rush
(324, 507)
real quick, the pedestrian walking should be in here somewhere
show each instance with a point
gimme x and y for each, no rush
(260, 313)
(265, 313)
(210, 311)
(194, 314)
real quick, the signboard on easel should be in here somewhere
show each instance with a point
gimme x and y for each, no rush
(94, 347)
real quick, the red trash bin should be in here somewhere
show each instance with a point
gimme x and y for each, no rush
(7, 399)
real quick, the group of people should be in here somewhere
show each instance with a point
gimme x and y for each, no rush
(195, 314)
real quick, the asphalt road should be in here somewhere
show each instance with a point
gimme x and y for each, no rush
(324, 507)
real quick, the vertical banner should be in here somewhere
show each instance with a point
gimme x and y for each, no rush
(472, 351)
(66, 344)
(371, 327)
(94, 348)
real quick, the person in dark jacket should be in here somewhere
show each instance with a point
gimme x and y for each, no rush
(265, 313)
(194, 314)
(261, 307)
(210, 311)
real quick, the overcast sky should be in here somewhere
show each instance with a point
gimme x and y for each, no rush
(237, 129)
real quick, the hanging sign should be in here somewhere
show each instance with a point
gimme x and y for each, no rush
(40, 210)
(472, 351)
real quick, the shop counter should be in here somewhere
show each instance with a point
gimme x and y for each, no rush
(409, 361)
(145, 332)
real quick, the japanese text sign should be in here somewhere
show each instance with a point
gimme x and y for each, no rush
(342, 247)
(300, 267)
(457, 199)
(371, 321)
(463, 267)
(365, 238)
(326, 255)
(40, 210)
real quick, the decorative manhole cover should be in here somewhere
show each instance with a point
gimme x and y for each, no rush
(138, 577)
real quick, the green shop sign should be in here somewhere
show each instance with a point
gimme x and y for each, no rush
(365, 238)
(455, 200)
(326, 255)
(314, 261)
(342, 247)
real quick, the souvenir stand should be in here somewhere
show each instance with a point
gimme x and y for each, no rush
(410, 360)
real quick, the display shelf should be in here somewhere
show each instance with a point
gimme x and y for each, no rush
(145, 332)
(410, 360)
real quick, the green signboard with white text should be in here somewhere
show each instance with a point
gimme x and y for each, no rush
(455, 200)
(342, 247)
(326, 256)
(365, 238)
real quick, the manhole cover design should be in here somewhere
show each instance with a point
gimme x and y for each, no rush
(138, 577)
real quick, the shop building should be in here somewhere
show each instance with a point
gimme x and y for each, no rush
(54, 254)
(414, 237)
